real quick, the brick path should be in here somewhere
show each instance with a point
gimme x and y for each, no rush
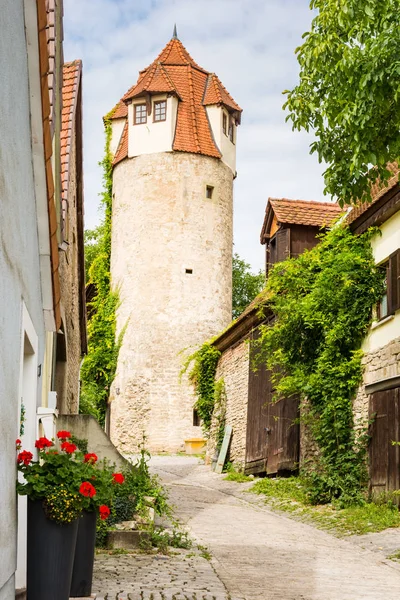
(256, 554)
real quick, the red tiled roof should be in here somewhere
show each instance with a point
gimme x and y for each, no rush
(299, 212)
(175, 72)
(71, 80)
(376, 193)
(304, 212)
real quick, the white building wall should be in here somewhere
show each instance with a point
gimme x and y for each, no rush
(152, 137)
(383, 246)
(226, 147)
(162, 225)
(19, 264)
(117, 129)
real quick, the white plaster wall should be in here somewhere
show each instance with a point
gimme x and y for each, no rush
(226, 147)
(383, 246)
(19, 263)
(117, 127)
(162, 225)
(150, 137)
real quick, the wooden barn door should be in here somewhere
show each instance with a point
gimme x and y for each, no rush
(384, 457)
(273, 431)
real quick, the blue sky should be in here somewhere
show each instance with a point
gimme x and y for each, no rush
(250, 44)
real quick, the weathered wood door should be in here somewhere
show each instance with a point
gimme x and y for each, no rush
(384, 457)
(273, 432)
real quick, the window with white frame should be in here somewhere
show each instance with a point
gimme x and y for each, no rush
(160, 110)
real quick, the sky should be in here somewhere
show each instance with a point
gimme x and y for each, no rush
(250, 44)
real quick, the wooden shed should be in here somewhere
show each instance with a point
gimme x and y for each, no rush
(266, 434)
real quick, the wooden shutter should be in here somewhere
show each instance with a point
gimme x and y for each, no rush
(394, 282)
(282, 244)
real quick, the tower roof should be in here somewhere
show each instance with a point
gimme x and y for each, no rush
(175, 72)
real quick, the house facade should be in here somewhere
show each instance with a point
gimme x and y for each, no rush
(31, 252)
(378, 398)
(174, 144)
(266, 435)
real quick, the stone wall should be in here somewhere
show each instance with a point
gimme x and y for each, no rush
(69, 343)
(171, 261)
(378, 365)
(233, 368)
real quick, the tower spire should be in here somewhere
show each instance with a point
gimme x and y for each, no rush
(175, 34)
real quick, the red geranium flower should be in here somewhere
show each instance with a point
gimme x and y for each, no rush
(87, 490)
(18, 444)
(24, 457)
(104, 512)
(68, 447)
(90, 458)
(118, 478)
(42, 443)
(63, 435)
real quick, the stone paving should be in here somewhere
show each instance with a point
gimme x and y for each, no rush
(257, 554)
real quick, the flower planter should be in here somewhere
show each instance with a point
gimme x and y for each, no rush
(82, 574)
(50, 555)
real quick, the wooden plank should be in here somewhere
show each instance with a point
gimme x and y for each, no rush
(224, 449)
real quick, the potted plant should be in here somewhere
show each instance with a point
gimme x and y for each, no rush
(97, 490)
(52, 485)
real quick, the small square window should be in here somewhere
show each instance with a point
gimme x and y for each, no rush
(160, 110)
(189, 271)
(209, 191)
(140, 115)
(196, 418)
(224, 123)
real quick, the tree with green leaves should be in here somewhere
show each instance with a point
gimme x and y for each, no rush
(245, 285)
(349, 93)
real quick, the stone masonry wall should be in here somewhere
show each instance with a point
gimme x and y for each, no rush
(233, 368)
(67, 371)
(172, 264)
(379, 364)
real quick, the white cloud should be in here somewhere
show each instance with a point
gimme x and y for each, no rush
(249, 43)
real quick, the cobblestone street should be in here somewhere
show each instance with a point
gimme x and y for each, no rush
(256, 554)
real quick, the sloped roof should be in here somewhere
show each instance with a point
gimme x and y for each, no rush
(175, 72)
(299, 212)
(376, 193)
(71, 80)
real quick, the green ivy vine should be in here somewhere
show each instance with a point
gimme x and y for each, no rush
(203, 364)
(99, 366)
(322, 302)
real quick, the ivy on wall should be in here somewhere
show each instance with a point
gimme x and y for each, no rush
(322, 302)
(203, 365)
(99, 366)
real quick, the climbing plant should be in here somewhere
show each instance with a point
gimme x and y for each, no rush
(99, 366)
(203, 366)
(322, 302)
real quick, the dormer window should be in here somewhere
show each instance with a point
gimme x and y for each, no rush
(160, 110)
(224, 123)
(140, 115)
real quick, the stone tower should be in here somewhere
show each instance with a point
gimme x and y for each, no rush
(174, 146)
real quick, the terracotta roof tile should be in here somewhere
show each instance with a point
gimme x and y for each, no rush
(175, 72)
(304, 212)
(376, 192)
(71, 81)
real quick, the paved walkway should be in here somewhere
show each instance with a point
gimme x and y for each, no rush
(256, 554)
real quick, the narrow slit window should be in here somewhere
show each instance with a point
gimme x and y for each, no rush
(196, 418)
(231, 132)
(189, 271)
(209, 191)
(160, 110)
(140, 114)
(383, 304)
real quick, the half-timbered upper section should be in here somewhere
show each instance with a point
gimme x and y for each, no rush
(176, 105)
(291, 226)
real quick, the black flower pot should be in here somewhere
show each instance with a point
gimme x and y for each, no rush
(82, 574)
(50, 555)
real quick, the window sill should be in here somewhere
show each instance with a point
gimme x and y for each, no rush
(382, 321)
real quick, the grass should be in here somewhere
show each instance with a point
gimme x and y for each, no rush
(289, 495)
(204, 552)
(233, 475)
